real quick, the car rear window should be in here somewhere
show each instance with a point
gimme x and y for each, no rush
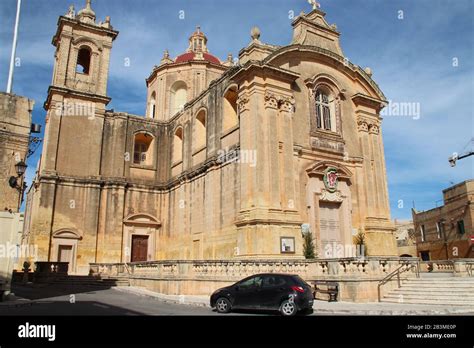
(299, 281)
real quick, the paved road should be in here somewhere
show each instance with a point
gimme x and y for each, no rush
(97, 302)
(55, 300)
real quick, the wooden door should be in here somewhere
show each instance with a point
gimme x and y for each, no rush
(329, 224)
(139, 248)
(64, 253)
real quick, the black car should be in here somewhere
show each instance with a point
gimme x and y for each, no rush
(283, 292)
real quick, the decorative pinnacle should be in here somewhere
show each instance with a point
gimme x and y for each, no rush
(255, 33)
(316, 5)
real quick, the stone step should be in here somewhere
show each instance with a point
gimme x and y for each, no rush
(453, 279)
(96, 282)
(430, 297)
(435, 280)
(429, 301)
(422, 286)
(429, 291)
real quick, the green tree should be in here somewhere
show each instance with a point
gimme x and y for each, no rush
(308, 246)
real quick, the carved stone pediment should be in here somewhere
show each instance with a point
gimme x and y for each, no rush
(330, 196)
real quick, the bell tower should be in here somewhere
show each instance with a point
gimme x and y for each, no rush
(77, 96)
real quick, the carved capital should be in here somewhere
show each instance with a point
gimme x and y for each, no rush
(287, 104)
(362, 126)
(271, 100)
(374, 129)
(243, 102)
(371, 126)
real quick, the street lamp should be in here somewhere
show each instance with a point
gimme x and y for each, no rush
(455, 157)
(20, 168)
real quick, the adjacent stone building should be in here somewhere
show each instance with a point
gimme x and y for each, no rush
(406, 240)
(15, 124)
(229, 161)
(446, 232)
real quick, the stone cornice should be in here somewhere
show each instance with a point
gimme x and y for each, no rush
(75, 22)
(256, 66)
(70, 92)
(129, 183)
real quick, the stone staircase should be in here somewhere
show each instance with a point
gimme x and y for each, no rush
(90, 281)
(436, 289)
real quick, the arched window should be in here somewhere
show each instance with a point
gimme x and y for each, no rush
(178, 145)
(143, 149)
(152, 109)
(200, 130)
(230, 118)
(179, 95)
(325, 111)
(83, 60)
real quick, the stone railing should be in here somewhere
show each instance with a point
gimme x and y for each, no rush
(369, 267)
(437, 266)
(464, 267)
(47, 268)
(460, 267)
(358, 277)
(46, 271)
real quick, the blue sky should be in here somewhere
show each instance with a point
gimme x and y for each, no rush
(411, 59)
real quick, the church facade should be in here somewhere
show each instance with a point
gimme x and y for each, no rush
(233, 159)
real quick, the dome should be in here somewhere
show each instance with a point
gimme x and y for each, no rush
(197, 49)
(188, 56)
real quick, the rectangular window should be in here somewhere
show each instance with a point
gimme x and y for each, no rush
(422, 232)
(461, 229)
(327, 117)
(318, 116)
(438, 229)
(139, 155)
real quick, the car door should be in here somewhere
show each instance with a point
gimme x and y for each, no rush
(274, 289)
(247, 293)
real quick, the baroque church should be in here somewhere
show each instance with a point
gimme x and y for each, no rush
(233, 159)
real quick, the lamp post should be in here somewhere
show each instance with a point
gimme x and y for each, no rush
(20, 169)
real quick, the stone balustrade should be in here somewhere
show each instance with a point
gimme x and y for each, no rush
(369, 267)
(358, 277)
(459, 267)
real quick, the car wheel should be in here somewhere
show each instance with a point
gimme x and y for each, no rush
(288, 308)
(223, 305)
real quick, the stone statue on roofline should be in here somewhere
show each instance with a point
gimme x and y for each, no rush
(71, 13)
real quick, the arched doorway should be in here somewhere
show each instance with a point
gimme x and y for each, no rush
(140, 237)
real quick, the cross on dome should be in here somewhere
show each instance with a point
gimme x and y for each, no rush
(316, 5)
(197, 41)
